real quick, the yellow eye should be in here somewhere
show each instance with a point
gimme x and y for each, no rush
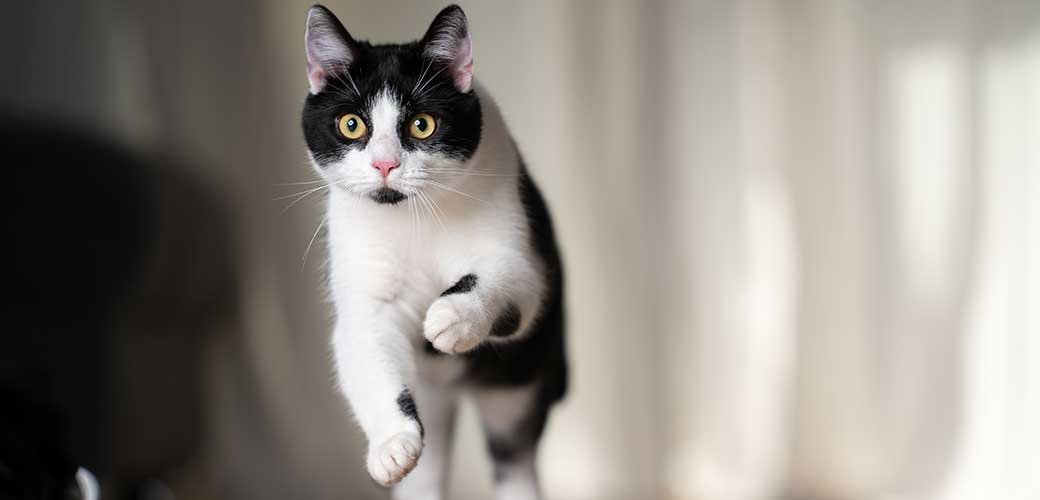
(422, 126)
(351, 126)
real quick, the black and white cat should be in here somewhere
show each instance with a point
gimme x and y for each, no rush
(444, 269)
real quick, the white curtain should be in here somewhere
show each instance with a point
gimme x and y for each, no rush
(802, 240)
(857, 205)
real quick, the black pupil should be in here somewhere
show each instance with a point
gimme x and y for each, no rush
(420, 123)
(351, 124)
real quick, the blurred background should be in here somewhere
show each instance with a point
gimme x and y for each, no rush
(802, 240)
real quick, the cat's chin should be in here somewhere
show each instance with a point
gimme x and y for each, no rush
(387, 196)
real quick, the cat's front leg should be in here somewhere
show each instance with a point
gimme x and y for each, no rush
(493, 302)
(375, 368)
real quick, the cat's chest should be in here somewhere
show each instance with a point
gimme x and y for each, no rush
(395, 251)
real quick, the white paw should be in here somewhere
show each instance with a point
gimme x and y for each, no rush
(455, 323)
(390, 461)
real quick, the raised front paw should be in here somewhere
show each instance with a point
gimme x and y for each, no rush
(456, 323)
(391, 460)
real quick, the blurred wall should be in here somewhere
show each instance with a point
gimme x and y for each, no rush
(802, 238)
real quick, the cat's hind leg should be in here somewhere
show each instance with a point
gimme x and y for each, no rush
(513, 420)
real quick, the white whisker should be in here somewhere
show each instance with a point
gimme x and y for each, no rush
(431, 79)
(427, 91)
(308, 191)
(303, 261)
(456, 191)
(303, 194)
(437, 212)
(352, 84)
(418, 219)
(429, 206)
(413, 237)
(339, 90)
(468, 172)
(417, 82)
(300, 183)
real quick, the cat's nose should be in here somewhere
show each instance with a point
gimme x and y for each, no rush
(385, 166)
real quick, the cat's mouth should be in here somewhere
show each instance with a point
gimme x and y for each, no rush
(387, 196)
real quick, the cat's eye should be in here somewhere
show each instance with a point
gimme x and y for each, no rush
(422, 126)
(351, 126)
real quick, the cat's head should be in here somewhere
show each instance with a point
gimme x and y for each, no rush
(387, 121)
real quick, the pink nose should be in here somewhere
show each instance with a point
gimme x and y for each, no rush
(385, 166)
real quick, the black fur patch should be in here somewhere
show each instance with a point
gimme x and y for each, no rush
(407, 406)
(507, 322)
(429, 349)
(385, 196)
(465, 284)
(501, 449)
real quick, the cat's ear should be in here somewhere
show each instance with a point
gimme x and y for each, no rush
(329, 47)
(447, 41)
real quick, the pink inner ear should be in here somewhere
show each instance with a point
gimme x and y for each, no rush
(464, 78)
(316, 76)
(463, 66)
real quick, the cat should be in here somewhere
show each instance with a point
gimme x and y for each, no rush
(443, 265)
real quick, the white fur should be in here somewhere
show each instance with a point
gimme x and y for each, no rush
(389, 265)
(519, 481)
(385, 144)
